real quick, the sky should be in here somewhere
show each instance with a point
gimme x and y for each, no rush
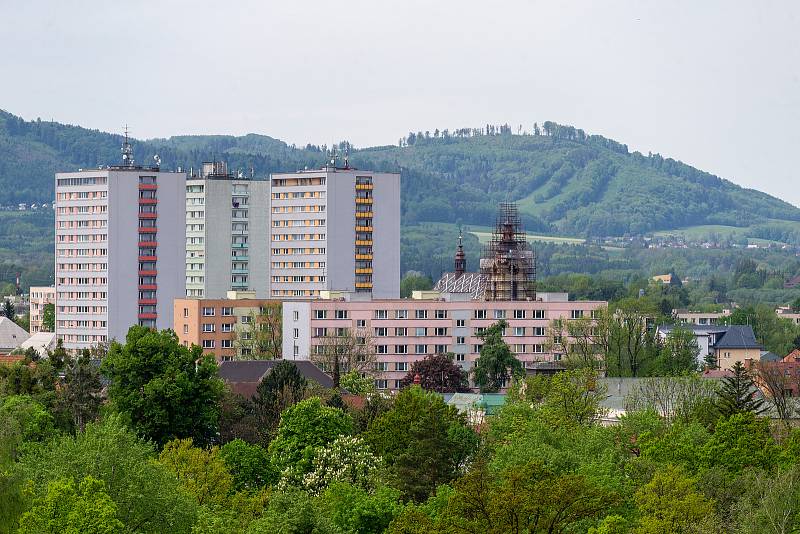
(715, 84)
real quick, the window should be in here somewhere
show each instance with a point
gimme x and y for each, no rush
(538, 314)
(401, 314)
(459, 357)
(440, 314)
(186, 312)
(381, 349)
(476, 348)
(296, 315)
(401, 349)
(460, 340)
(296, 333)
(576, 314)
(361, 323)
(442, 349)
(186, 329)
(557, 357)
(320, 314)
(381, 332)
(227, 327)
(480, 314)
(244, 319)
(460, 323)
(381, 366)
(519, 349)
(381, 314)
(420, 331)
(226, 344)
(499, 314)
(401, 366)
(320, 332)
(421, 314)
(341, 314)
(440, 331)
(538, 349)
(296, 351)
(208, 327)
(381, 384)
(401, 332)
(538, 331)
(420, 349)
(208, 343)
(519, 314)
(519, 330)
(208, 312)
(227, 312)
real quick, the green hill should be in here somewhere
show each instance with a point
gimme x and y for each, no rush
(566, 182)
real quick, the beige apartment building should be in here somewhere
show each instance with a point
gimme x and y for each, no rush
(39, 297)
(240, 325)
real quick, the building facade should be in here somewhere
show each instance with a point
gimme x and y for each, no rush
(335, 228)
(119, 251)
(39, 297)
(700, 318)
(239, 325)
(227, 234)
(403, 331)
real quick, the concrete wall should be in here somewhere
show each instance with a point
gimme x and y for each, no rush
(296, 315)
(386, 244)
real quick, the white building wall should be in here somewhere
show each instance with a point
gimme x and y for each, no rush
(386, 221)
(296, 330)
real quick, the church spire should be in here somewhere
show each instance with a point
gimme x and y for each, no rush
(461, 259)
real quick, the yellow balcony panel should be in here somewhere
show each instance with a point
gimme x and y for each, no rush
(364, 243)
(363, 228)
(363, 187)
(363, 256)
(363, 215)
(363, 201)
(364, 284)
(364, 271)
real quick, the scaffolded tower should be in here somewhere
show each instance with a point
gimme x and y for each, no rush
(508, 262)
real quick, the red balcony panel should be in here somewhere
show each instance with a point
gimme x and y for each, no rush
(148, 215)
(148, 316)
(148, 244)
(147, 230)
(152, 272)
(148, 187)
(151, 287)
(143, 302)
(148, 201)
(148, 258)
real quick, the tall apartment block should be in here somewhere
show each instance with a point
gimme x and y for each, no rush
(39, 297)
(227, 234)
(120, 236)
(335, 228)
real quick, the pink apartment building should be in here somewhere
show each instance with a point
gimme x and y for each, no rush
(406, 330)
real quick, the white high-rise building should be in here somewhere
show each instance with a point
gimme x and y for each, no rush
(120, 235)
(227, 234)
(335, 228)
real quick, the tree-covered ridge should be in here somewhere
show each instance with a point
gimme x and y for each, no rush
(563, 179)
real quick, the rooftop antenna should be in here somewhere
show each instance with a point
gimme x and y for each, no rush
(346, 157)
(127, 150)
(157, 160)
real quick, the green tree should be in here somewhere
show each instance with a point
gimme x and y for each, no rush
(353, 509)
(65, 508)
(737, 394)
(49, 318)
(496, 363)
(201, 471)
(671, 504)
(770, 504)
(574, 398)
(261, 338)
(8, 310)
(166, 390)
(414, 282)
(283, 387)
(248, 464)
(437, 372)
(304, 428)
(423, 441)
(149, 497)
(22, 419)
(741, 441)
(81, 392)
(347, 459)
(356, 384)
(678, 354)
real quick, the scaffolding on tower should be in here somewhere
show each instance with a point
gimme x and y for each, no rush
(508, 262)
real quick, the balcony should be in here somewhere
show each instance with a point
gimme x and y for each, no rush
(148, 187)
(363, 243)
(363, 285)
(363, 201)
(240, 271)
(148, 215)
(363, 228)
(363, 256)
(148, 258)
(363, 215)
(364, 187)
(147, 302)
(147, 229)
(148, 287)
(364, 271)
(148, 201)
(238, 245)
(148, 316)
(148, 244)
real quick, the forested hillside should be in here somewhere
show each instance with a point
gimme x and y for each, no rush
(564, 180)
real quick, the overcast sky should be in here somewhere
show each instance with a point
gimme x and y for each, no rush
(714, 84)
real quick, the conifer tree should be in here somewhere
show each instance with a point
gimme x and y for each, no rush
(737, 394)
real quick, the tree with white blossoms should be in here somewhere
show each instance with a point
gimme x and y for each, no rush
(347, 459)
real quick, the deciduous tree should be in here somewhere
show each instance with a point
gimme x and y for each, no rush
(496, 363)
(437, 372)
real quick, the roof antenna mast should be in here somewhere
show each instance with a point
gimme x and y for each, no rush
(127, 151)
